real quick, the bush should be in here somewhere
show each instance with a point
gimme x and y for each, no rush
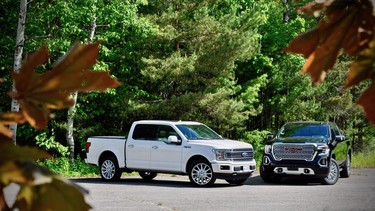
(256, 138)
(66, 168)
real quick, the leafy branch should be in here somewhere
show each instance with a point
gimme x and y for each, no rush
(347, 26)
(38, 94)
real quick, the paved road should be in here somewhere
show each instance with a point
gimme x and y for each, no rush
(175, 193)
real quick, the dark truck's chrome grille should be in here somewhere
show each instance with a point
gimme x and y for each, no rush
(294, 151)
(240, 154)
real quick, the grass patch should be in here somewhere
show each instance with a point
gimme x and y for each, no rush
(63, 166)
(363, 160)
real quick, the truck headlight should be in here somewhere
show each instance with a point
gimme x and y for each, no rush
(323, 149)
(268, 149)
(220, 154)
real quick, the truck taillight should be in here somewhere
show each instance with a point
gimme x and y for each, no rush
(88, 144)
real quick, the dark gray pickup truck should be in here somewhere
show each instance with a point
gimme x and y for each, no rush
(314, 149)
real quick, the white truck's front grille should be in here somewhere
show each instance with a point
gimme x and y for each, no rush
(240, 154)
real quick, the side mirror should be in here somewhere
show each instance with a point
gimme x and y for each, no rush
(268, 138)
(340, 138)
(173, 140)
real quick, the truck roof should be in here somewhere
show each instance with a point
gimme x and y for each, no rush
(166, 122)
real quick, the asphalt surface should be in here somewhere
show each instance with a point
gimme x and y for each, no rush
(167, 192)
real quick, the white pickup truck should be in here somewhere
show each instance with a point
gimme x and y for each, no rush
(176, 147)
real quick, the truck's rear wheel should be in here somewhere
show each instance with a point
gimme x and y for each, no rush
(201, 173)
(146, 175)
(333, 175)
(109, 169)
(345, 173)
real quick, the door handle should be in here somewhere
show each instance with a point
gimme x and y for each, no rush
(131, 145)
(155, 147)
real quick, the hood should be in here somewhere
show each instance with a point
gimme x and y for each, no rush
(221, 143)
(300, 140)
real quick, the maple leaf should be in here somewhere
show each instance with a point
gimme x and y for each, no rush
(348, 25)
(367, 101)
(8, 119)
(38, 93)
(361, 68)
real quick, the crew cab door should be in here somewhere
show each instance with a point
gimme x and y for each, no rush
(166, 156)
(138, 146)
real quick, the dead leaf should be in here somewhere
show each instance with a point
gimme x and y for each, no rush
(11, 152)
(45, 190)
(348, 25)
(361, 69)
(7, 119)
(367, 101)
(38, 93)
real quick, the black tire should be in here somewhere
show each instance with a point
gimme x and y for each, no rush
(201, 174)
(236, 181)
(146, 175)
(333, 175)
(109, 169)
(269, 178)
(345, 172)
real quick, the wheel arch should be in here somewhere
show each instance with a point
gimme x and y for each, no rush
(192, 159)
(107, 154)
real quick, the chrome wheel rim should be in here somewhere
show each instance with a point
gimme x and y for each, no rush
(201, 174)
(108, 169)
(333, 173)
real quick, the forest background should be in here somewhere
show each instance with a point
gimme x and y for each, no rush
(220, 63)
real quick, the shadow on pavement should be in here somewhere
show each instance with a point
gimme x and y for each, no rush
(182, 182)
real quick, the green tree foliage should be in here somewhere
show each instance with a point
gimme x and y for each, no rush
(216, 62)
(188, 67)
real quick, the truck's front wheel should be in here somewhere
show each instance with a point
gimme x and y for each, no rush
(333, 175)
(109, 169)
(201, 173)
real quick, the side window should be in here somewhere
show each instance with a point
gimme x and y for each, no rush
(165, 131)
(336, 130)
(145, 132)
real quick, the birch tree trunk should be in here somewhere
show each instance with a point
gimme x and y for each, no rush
(20, 40)
(71, 111)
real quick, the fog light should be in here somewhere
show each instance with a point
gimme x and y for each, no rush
(240, 168)
(323, 162)
(280, 170)
(224, 168)
(306, 171)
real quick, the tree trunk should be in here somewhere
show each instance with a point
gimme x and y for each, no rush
(20, 40)
(71, 111)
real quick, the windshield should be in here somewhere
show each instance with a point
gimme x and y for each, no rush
(304, 130)
(194, 132)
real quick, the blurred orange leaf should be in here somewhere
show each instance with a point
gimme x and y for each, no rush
(38, 93)
(50, 195)
(11, 152)
(361, 69)
(348, 25)
(8, 119)
(367, 101)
